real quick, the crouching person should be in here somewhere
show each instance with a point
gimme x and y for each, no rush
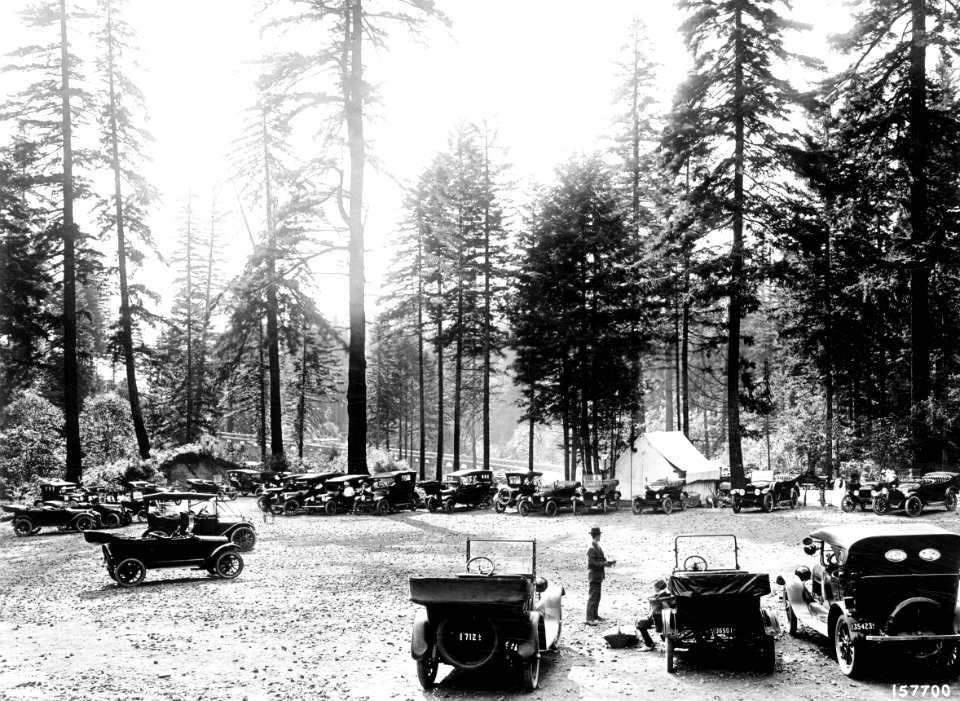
(659, 599)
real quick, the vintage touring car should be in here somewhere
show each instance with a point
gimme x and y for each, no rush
(880, 586)
(662, 496)
(29, 520)
(470, 488)
(600, 494)
(167, 510)
(914, 495)
(766, 491)
(549, 498)
(516, 485)
(498, 610)
(386, 492)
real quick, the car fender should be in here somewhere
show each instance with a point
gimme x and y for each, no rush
(551, 610)
(423, 636)
(771, 624)
(530, 647)
(669, 622)
(216, 553)
(234, 526)
(795, 591)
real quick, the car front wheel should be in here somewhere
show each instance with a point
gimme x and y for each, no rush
(228, 565)
(667, 505)
(22, 527)
(791, 618)
(767, 505)
(112, 520)
(433, 504)
(427, 669)
(487, 502)
(951, 501)
(130, 572)
(383, 507)
(848, 504)
(736, 506)
(524, 508)
(881, 505)
(530, 670)
(551, 508)
(637, 506)
(499, 507)
(330, 508)
(84, 523)
(794, 498)
(613, 504)
(245, 538)
(913, 507)
(448, 507)
(263, 503)
(849, 652)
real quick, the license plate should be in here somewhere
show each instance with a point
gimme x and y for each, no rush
(861, 626)
(724, 631)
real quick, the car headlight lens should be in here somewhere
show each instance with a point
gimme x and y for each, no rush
(756, 492)
(885, 491)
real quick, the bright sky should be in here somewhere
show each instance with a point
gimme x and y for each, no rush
(542, 69)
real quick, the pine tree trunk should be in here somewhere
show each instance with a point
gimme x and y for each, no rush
(357, 364)
(566, 442)
(734, 310)
(917, 156)
(273, 332)
(190, 383)
(458, 380)
(262, 381)
(420, 359)
(302, 402)
(668, 394)
(126, 323)
(439, 383)
(71, 381)
(532, 426)
(685, 350)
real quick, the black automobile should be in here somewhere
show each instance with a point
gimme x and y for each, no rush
(859, 493)
(912, 496)
(132, 498)
(515, 485)
(876, 588)
(29, 520)
(60, 491)
(303, 493)
(222, 491)
(168, 510)
(341, 493)
(713, 602)
(128, 559)
(246, 481)
(602, 495)
(661, 496)
(766, 491)
(497, 611)
(270, 496)
(811, 479)
(549, 498)
(428, 494)
(112, 514)
(470, 488)
(386, 492)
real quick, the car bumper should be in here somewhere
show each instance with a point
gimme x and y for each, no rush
(909, 638)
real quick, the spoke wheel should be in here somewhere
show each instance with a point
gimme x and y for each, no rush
(794, 498)
(263, 503)
(449, 506)
(487, 502)
(427, 669)
(84, 523)
(22, 527)
(913, 507)
(524, 508)
(848, 504)
(291, 507)
(951, 501)
(737, 506)
(613, 504)
(130, 572)
(432, 504)
(228, 565)
(499, 507)
(330, 508)
(637, 506)
(530, 669)
(849, 653)
(881, 505)
(551, 508)
(383, 507)
(112, 520)
(667, 505)
(245, 538)
(767, 505)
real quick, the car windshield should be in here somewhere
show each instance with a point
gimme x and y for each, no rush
(509, 556)
(718, 551)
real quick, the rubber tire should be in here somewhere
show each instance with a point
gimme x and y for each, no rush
(432, 505)
(245, 538)
(795, 498)
(330, 508)
(667, 505)
(449, 506)
(856, 665)
(133, 578)
(613, 504)
(671, 668)
(791, 618)
(524, 508)
(881, 505)
(486, 502)
(228, 565)
(263, 504)
(84, 523)
(383, 507)
(950, 503)
(848, 505)
(427, 669)
(766, 506)
(233, 495)
(913, 507)
(142, 516)
(356, 507)
(499, 507)
(290, 507)
(127, 518)
(112, 520)
(22, 526)
(637, 506)
(530, 671)
(736, 506)
(551, 508)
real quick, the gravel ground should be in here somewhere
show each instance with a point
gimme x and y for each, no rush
(321, 610)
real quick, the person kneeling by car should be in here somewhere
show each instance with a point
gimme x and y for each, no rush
(657, 602)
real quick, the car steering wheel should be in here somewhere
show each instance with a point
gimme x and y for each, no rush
(481, 565)
(695, 565)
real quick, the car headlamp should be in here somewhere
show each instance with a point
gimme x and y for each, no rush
(885, 491)
(756, 492)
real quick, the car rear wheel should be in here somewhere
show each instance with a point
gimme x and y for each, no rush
(130, 572)
(736, 506)
(530, 669)
(84, 523)
(881, 505)
(848, 504)
(791, 617)
(913, 506)
(486, 502)
(849, 652)
(951, 501)
(245, 538)
(228, 565)
(448, 507)
(433, 504)
(499, 507)
(767, 505)
(670, 650)
(667, 505)
(524, 508)
(291, 507)
(794, 498)
(22, 526)
(263, 503)
(383, 507)
(427, 669)
(330, 508)
(112, 520)
(637, 506)
(551, 508)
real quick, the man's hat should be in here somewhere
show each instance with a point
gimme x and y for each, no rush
(595, 530)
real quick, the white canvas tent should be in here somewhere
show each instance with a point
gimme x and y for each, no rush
(663, 454)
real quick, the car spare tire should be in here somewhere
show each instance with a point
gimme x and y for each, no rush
(468, 642)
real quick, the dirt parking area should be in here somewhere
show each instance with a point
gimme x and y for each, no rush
(322, 610)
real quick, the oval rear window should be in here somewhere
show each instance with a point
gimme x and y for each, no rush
(895, 555)
(929, 554)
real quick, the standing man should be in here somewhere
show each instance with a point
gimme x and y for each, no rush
(596, 566)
